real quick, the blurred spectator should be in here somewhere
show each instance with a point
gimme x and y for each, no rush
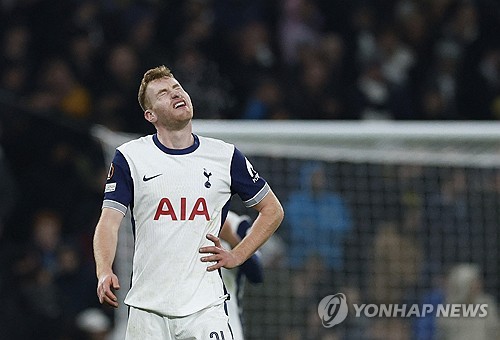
(396, 58)
(390, 329)
(463, 25)
(315, 84)
(231, 16)
(75, 286)
(252, 58)
(116, 102)
(425, 327)
(354, 327)
(439, 97)
(85, 47)
(202, 78)
(93, 325)
(36, 269)
(479, 90)
(396, 266)
(54, 283)
(318, 219)
(56, 183)
(60, 93)
(16, 45)
(301, 24)
(16, 62)
(364, 25)
(464, 286)
(414, 25)
(83, 56)
(375, 93)
(142, 35)
(266, 102)
(47, 238)
(14, 83)
(448, 224)
(198, 29)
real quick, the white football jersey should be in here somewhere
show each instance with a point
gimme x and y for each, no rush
(176, 198)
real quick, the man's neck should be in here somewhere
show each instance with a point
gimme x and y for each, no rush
(178, 139)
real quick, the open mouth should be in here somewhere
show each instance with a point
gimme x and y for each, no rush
(179, 104)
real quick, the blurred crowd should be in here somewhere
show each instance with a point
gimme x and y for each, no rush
(400, 234)
(67, 65)
(287, 59)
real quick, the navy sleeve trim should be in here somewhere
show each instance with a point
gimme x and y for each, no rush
(257, 198)
(114, 205)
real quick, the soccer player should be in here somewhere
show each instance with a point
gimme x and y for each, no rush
(178, 187)
(233, 231)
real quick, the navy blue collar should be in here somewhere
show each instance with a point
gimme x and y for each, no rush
(185, 151)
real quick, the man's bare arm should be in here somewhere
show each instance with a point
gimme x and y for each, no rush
(270, 216)
(105, 243)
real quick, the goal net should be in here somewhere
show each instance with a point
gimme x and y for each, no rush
(379, 211)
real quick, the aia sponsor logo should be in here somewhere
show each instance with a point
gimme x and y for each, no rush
(182, 211)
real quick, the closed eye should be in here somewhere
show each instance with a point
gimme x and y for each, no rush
(166, 91)
(161, 93)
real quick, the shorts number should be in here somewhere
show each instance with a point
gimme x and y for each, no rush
(215, 335)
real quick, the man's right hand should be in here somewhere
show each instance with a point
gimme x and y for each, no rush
(106, 286)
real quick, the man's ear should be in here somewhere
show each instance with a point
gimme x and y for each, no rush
(149, 116)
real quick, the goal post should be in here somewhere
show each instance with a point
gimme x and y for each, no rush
(366, 141)
(418, 198)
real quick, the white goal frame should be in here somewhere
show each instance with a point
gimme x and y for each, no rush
(427, 143)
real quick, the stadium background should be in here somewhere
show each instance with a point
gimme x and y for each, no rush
(69, 66)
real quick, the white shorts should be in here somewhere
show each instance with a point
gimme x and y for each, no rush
(211, 323)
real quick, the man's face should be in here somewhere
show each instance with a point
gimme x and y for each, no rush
(169, 102)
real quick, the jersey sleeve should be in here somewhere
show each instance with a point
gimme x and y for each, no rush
(245, 181)
(118, 192)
